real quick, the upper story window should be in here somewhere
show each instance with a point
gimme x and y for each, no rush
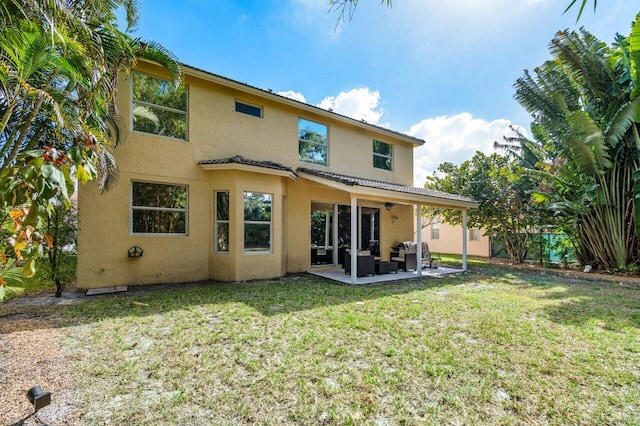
(257, 222)
(158, 208)
(313, 142)
(382, 155)
(435, 231)
(248, 109)
(158, 107)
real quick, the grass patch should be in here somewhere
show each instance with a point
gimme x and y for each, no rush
(495, 346)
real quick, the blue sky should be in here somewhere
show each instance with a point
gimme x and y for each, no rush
(439, 70)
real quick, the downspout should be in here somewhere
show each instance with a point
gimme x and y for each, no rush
(419, 238)
(336, 260)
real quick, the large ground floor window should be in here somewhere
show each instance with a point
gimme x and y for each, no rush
(158, 208)
(257, 222)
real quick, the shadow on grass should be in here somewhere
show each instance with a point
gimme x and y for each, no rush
(269, 297)
(614, 309)
(579, 299)
(575, 300)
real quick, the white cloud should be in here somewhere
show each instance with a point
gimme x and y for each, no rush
(453, 139)
(293, 95)
(361, 104)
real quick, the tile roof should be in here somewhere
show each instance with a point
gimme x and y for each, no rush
(370, 183)
(239, 159)
(343, 179)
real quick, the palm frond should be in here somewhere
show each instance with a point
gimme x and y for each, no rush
(107, 171)
(634, 55)
(141, 112)
(592, 139)
(627, 116)
(582, 6)
(155, 52)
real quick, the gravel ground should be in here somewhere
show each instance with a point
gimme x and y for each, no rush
(30, 355)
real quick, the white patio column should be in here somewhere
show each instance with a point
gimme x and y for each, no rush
(419, 239)
(464, 240)
(359, 227)
(326, 231)
(372, 227)
(336, 257)
(354, 240)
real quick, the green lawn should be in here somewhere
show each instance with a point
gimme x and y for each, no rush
(495, 346)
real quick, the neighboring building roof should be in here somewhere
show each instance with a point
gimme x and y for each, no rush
(283, 99)
(388, 186)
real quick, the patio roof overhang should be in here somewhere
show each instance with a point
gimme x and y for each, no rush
(238, 162)
(392, 192)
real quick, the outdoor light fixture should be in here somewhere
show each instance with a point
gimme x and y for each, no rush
(388, 206)
(135, 251)
(38, 398)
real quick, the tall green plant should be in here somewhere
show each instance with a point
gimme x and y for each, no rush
(585, 102)
(59, 64)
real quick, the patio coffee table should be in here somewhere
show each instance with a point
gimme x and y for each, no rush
(386, 267)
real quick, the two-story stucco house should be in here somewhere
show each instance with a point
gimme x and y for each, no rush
(230, 182)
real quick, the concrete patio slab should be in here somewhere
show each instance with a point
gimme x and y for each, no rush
(337, 274)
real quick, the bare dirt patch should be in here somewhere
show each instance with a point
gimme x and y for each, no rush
(30, 354)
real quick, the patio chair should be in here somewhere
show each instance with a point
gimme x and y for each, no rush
(407, 260)
(428, 257)
(366, 264)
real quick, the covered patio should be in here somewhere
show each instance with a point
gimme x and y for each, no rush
(389, 195)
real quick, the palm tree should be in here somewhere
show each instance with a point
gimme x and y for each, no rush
(584, 102)
(59, 64)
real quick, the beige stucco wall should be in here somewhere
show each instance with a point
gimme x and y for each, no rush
(104, 238)
(217, 131)
(450, 241)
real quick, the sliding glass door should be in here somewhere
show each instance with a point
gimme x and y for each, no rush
(323, 229)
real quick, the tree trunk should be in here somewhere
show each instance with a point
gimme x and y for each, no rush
(58, 287)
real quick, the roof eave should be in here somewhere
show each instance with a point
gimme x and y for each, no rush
(224, 81)
(388, 193)
(247, 168)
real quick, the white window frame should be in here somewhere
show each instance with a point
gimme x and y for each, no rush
(376, 154)
(474, 235)
(152, 105)
(167, 209)
(325, 145)
(435, 231)
(217, 221)
(257, 222)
